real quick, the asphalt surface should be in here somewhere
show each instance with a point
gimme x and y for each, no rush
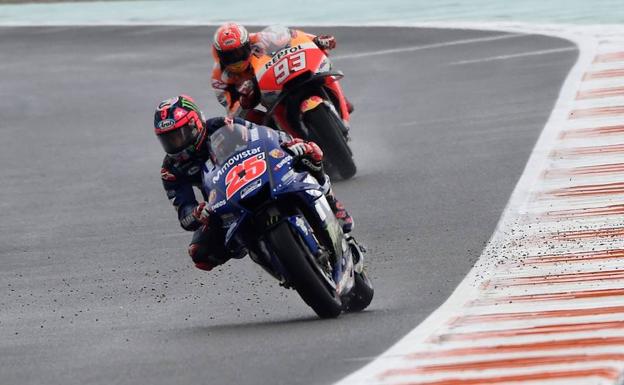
(95, 283)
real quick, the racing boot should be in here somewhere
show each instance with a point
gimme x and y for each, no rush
(345, 220)
(340, 212)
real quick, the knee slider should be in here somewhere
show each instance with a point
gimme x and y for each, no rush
(193, 250)
(198, 256)
(204, 266)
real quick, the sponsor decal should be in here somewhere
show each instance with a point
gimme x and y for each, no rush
(280, 54)
(234, 160)
(252, 187)
(167, 103)
(277, 153)
(165, 124)
(310, 103)
(302, 225)
(188, 103)
(219, 204)
(281, 163)
(289, 175)
(324, 66)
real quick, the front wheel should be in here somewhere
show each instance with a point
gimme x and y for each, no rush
(327, 130)
(361, 295)
(306, 278)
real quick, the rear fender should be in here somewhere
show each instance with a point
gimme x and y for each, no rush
(314, 102)
(336, 95)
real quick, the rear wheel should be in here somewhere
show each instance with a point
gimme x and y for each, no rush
(327, 130)
(305, 274)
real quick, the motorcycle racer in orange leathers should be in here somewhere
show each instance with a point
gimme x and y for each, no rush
(233, 78)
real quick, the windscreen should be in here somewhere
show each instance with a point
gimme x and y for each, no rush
(227, 141)
(272, 39)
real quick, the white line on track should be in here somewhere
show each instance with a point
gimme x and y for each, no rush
(516, 55)
(428, 46)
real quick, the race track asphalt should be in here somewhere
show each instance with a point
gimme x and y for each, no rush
(95, 283)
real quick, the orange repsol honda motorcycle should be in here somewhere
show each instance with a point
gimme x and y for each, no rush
(300, 91)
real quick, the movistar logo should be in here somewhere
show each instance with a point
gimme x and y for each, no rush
(235, 159)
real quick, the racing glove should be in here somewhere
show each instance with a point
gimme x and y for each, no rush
(247, 91)
(246, 88)
(201, 213)
(300, 148)
(326, 42)
(308, 156)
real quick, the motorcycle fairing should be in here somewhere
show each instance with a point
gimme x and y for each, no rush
(274, 69)
(299, 223)
(278, 179)
(279, 176)
(289, 66)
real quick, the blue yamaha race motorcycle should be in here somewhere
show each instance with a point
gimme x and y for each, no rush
(281, 218)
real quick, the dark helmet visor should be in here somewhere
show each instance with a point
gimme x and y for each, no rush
(179, 139)
(235, 55)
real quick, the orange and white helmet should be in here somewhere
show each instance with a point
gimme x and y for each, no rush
(231, 43)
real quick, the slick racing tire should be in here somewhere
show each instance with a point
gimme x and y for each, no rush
(361, 295)
(327, 131)
(306, 279)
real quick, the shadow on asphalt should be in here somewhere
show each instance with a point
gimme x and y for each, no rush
(306, 321)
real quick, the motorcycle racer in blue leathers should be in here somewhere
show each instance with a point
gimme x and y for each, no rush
(184, 134)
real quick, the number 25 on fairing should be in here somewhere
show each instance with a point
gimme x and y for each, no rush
(243, 173)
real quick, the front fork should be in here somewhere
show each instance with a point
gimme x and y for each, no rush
(336, 89)
(358, 251)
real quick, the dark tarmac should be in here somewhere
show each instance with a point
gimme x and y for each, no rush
(95, 283)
